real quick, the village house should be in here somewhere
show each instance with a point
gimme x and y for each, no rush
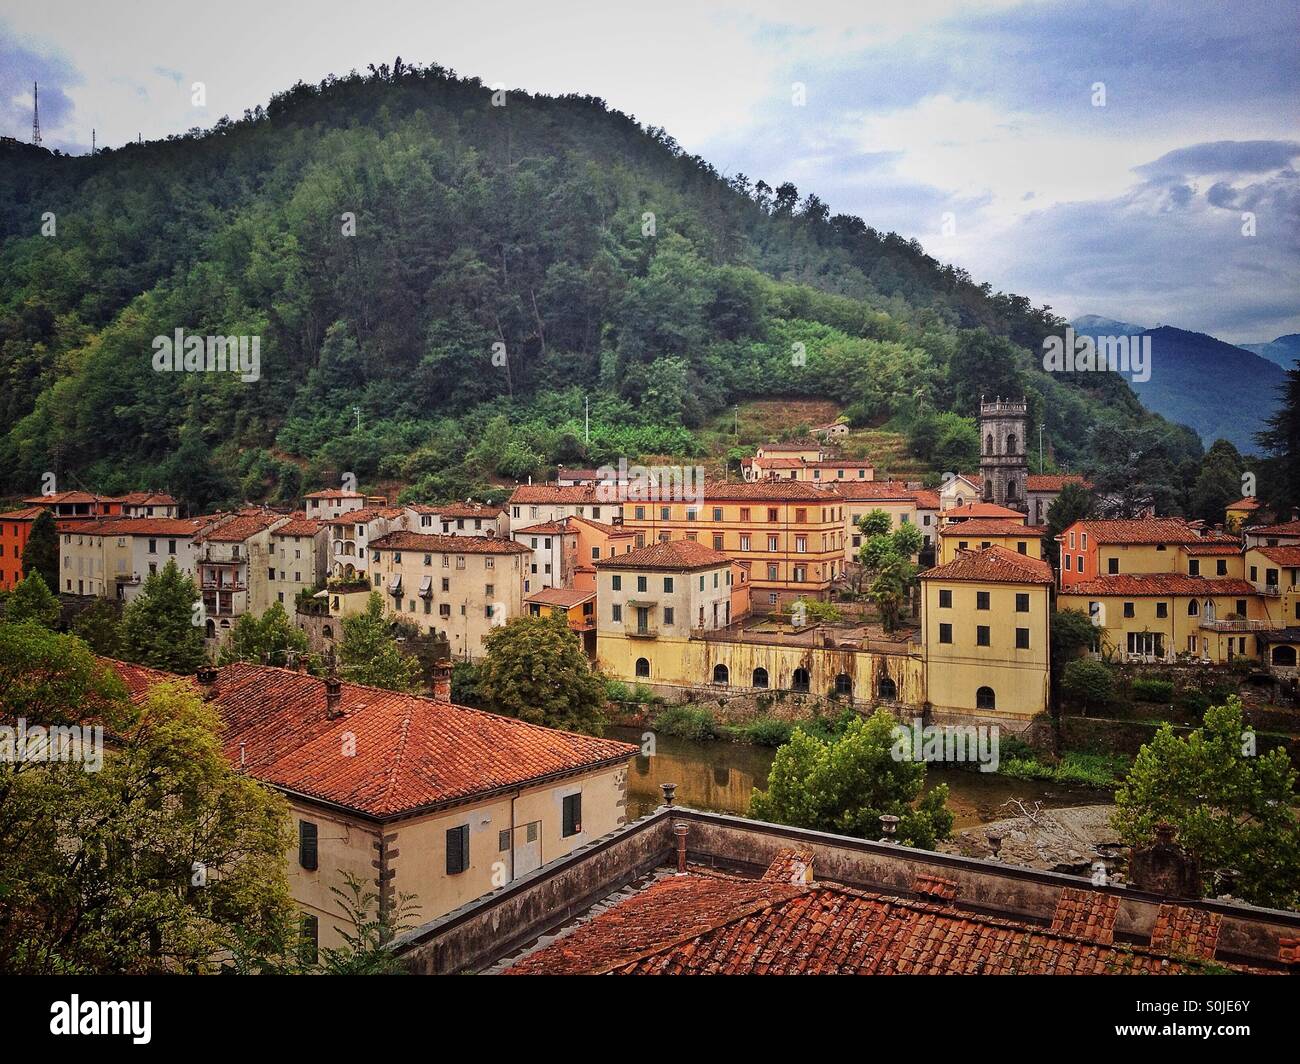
(533, 504)
(457, 587)
(331, 502)
(350, 534)
(236, 567)
(488, 800)
(15, 527)
(792, 533)
(1093, 548)
(578, 606)
(77, 506)
(554, 549)
(1242, 512)
(300, 554)
(1285, 534)
(149, 504)
(112, 558)
(978, 533)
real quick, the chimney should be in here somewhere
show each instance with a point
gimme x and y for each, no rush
(333, 697)
(680, 830)
(207, 678)
(442, 680)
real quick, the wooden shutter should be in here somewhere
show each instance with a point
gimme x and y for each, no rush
(307, 844)
(457, 849)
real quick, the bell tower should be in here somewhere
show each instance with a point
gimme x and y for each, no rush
(1003, 464)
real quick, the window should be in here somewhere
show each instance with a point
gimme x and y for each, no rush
(985, 698)
(1022, 547)
(721, 674)
(668, 585)
(669, 614)
(1022, 638)
(981, 635)
(717, 513)
(617, 582)
(503, 840)
(1112, 565)
(309, 939)
(572, 815)
(1129, 610)
(1162, 609)
(981, 600)
(772, 543)
(945, 599)
(799, 682)
(844, 685)
(744, 541)
(1193, 567)
(1068, 566)
(1193, 608)
(801, 544)
(717, 542)
(642, 667)
(641, 583)
(772, 514)
(945, 633)
(1022, 602)
(616, 613)
(887, 689)
(760, 678)
(457, 850)
(307, 850)
(1221, 567)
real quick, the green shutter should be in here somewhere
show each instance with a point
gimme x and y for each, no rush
(307, 844)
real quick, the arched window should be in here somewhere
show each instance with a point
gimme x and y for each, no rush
(760, 677)
(327, 631)
(844, 685)
(986, 699)
(887, 689)
(1011, 489)
(1284, 656)
(642, 667)
(720, 674)
(799, 681)
(212, 628)
(1011, 444)
(988, 443)
(1193, 607)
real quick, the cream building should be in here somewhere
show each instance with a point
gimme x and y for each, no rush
(299, 559)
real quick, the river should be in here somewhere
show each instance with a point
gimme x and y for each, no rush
(720, 776)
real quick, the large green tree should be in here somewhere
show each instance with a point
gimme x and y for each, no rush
(1280, 439)
(1074, 503)
(535, 669)
(41, 552)
(31, 601)
(1232, 807)
(270, 639)
(368, 655)
(161, 627)
(845, 785)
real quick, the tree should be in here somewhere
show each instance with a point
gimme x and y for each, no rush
(886, 557)
(1074, 503)
(162, 860)
(1233, 808)
(97, 625)
(875, 523)
(1218, 483)
(890, 590)
(367, 930)
(158, 625)
(31, 601)
(1088, 683)
(368, 655)
(845, 785)
(535, 669)
(1280, 439)
(269, 640)
(41, 554)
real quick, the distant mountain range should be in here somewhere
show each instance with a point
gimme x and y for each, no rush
(1220, 390)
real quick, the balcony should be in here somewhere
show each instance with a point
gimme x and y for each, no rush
(648, 631)
(1240, 626)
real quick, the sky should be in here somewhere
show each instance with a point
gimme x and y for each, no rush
(1137, 161)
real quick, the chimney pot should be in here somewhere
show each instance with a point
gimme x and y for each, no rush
(333, 697)
(442, 681)
(681, 830)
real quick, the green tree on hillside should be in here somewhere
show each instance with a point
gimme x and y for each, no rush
(99, 628)
(845, 785)
(158, 625)
(535, 669)
(41, 552)
(1218, 483)
(368, 655)
(1280, 439)
(31, 601)
(270, 639)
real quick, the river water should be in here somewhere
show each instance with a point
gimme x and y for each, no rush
(720, 776)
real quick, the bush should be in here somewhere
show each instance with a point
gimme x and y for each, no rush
(686, 722)
(1149, 690)
(1193, 701)
(617, 691)
(765, 731)
(1087, 682)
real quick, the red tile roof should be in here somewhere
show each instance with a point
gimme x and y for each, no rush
(1053, 481)
(1158, 584)
(615, 531)
(189, 527)
(146, 498)
(67, 497)
(410, 752)
(240, 528)
(879, 490)
(334, 493)
(298, 526)
(564, 597)
(682, 554)
(771, 491)
(1247, 503)
(471, 509)
(705, 923)
(545, 528)
(990, 526)
(927, 500)
(1281, 555)
(1286, 528)
(993, 564)
(27, 513)
(434, 544)
(1212, 547)
(980, 509)
(1138, 530)
(1186, 931)
(553, 494)
(363, 516)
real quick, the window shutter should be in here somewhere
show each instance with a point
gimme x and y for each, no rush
(572, 815)
(307, 844)
(457, 849)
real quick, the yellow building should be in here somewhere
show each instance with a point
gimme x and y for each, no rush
(457, 586)
(792, 533)
(905, 506)
(488, 798)
(1274, 573)
(1156, 617)
(1237, 515)
(985, 619)
(979, 533)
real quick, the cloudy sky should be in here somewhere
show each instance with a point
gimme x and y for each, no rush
(1102, 158)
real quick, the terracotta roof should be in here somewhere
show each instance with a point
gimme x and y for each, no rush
(576, 474)
(566, 494)
(1053, 481)
(1286, 528)
(1216, 546)
(1281, 555)
(566, 597)
(770, 491)
(705, 923)
(545, 528)
(1138, 530)
(1158, 584)
(67, 496)
(878, 491)
(435, 544)
(240, 528)
(1247, 503)
(993, 564)
(422, 508)
(992, 527)
(980, 509)
(615, 531)
(27, 513)
(471, 509)
(298, 526)
(363, 516)
(334, 493)
(154, 526)
(146, 498)
(675, 554)
(927, 500)
(411, 752)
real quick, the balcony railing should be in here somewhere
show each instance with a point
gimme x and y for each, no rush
(1240, 625)
(648, 631)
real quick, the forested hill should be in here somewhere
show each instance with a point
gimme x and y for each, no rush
(607, 262)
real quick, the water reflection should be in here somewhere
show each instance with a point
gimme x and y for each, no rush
(720, 777)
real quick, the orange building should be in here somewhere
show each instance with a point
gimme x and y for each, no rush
(78, 506)
(15, 527)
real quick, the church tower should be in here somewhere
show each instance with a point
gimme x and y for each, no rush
(1003, 464)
